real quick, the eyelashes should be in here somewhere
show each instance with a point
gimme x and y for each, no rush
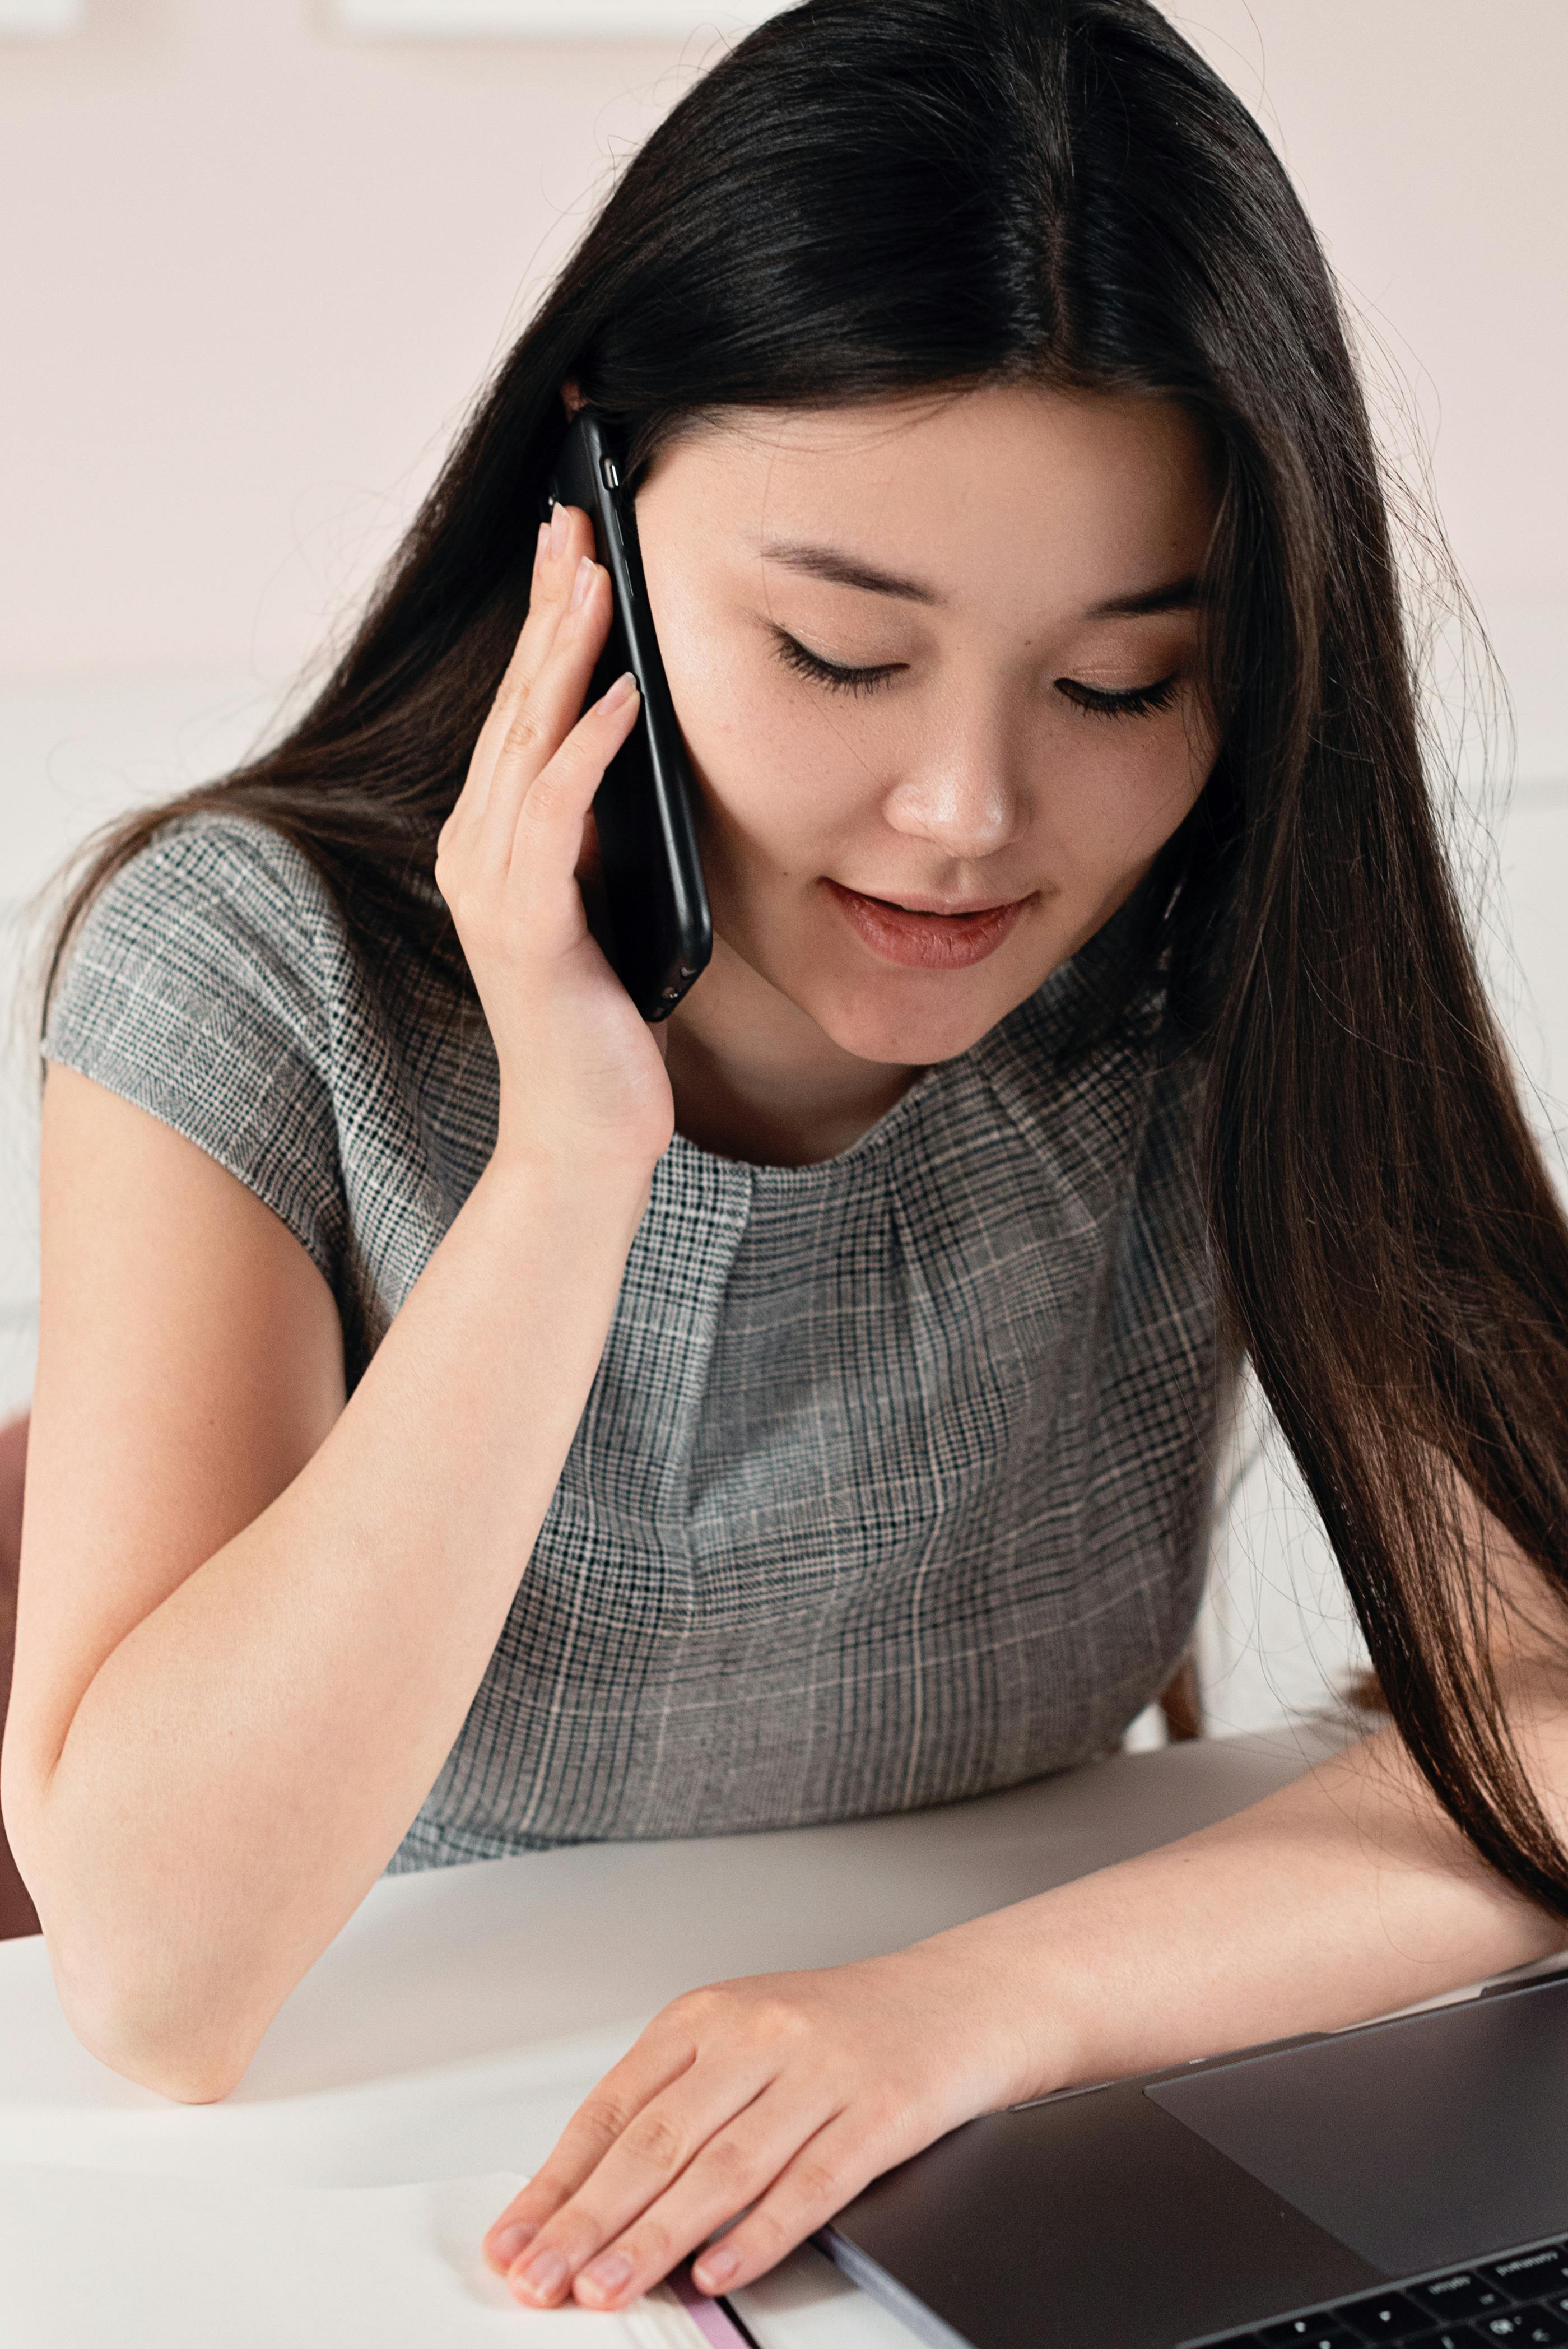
(832, 674)
(1137, 702)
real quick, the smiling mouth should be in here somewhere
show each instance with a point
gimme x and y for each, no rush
(926, 938)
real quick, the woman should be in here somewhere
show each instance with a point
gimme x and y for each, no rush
(469, 1419)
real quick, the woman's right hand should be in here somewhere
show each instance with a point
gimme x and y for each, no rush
(582, 1081)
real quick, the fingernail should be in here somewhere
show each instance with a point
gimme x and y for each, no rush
(583, 582)
(715, 2270)
(558, 532)
(544, 541)
(512, 2240)
(543, 2276)
(626, 685)
(605, 2275)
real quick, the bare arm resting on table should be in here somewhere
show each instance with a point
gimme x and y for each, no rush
(251, 1621)
(1341, 1897)
(253, 1618)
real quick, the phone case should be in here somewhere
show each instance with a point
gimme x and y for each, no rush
(653, 921)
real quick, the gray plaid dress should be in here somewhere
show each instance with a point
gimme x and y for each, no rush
(893, 1484)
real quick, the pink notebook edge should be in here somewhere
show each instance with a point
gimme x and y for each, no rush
(714, 2319)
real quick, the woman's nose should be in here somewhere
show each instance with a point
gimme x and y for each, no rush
(965, 802)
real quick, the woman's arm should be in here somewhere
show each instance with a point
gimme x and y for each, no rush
(1343, 1896)
(252, 1619)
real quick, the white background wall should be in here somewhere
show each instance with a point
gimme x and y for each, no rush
(252, 269)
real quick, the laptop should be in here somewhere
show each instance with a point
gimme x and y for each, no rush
(1404, 2182)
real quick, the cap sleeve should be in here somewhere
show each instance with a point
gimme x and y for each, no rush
(195, 988)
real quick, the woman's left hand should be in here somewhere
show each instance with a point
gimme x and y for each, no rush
(778, 2095)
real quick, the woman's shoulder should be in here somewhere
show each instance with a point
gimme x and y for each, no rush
(212, 877)
(215, 913)
(217, 982)
(205, 982)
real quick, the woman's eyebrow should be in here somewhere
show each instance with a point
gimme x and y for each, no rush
(844, 571)
(1176, 595)
(841, 570)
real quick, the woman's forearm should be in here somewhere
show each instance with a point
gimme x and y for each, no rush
(1343, 1895)
(779, 2096)
(244, 1764)
(1346, 1894)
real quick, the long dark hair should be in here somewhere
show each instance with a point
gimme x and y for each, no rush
(865, 200)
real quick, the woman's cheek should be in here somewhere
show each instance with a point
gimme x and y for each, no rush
(779, 817)
(794, 785)
(1124, 801)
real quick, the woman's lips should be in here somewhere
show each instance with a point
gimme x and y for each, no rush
(925, 941)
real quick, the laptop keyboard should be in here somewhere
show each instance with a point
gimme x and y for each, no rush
(1517, 2303)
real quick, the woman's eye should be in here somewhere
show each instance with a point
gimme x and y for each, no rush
(832, 674)
(1137, 702)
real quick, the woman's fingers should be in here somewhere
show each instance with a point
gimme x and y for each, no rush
(759, 2106)
(517, 884)
(538, 722)
(734, 2168)
(546, 844)
(661, 2055)
(563, 540)
(559, 798)
(690, 2158)
(713, 2112)
(829, 2170)
(564, 543)
(529, 728)
(788, 2159)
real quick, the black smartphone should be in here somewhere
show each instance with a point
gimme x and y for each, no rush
(653, 919)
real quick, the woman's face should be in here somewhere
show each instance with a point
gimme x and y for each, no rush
(936, 663)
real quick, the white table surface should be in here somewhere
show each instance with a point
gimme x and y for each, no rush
(462, 2013)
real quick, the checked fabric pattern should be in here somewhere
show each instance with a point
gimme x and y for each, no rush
(894, 1483)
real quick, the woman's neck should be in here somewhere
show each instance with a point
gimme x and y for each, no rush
(755, 1078)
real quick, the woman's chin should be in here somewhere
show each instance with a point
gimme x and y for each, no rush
(907, 1031)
